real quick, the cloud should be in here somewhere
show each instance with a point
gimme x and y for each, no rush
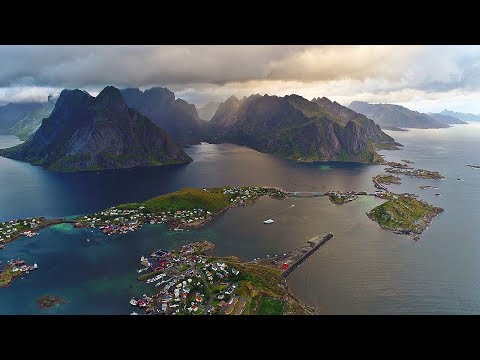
(416, 75)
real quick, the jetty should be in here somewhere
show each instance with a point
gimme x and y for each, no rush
(314, 247)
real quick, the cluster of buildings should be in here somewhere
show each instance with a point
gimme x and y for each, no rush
(242, 194)
(116, 221)
(13, 228)
(21, 266)
(186, 282)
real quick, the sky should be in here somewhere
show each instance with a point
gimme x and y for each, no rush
(422, 78)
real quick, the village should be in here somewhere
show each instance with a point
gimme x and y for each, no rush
(188, 282)
(10, 230)
(118, 220)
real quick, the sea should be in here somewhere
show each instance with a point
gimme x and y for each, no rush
(362, 270)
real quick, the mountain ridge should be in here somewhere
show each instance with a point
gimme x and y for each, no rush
(85, 133)
(396, 116)
(296, 128)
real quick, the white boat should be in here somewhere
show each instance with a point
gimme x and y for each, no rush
(269, 221)
(134, 313)
(133, 302)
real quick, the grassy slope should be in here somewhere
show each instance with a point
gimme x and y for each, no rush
(185, 199)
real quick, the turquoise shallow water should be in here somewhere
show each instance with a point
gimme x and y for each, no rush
(363, 270)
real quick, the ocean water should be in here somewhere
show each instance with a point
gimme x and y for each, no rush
(362, 270)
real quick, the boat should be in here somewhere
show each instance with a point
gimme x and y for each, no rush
(2, 246)
(269, 221)
(134, 313)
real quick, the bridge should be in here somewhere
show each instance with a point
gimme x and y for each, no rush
(305, 193)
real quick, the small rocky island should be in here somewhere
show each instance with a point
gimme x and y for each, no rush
(386, 179)
(404, 214)
(49, 301)
(473, 166)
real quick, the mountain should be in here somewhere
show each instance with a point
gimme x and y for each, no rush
(27, 125)
(177, 117)
(396, 116)
(446, 119)
(11, 113)
(96, 133)
(296, 128)
(206, 112)
(461, 116)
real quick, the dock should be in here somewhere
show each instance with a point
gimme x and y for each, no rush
(314, 247)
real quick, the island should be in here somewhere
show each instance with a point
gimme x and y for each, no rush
(188, 281)
(386, 179)
(397, 165)
(404, 214)
(184, 209)
(49, 301)
(473, 166)
(423, 187)
(407, 161)
(420, 173)
(339, 198)
(14, 269)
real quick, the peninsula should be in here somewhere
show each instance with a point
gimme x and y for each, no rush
(190, 282)
(14, 269)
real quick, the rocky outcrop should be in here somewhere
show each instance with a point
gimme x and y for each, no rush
(88, 133)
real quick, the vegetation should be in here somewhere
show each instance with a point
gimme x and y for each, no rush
(404, 213)
(7, 275)
(185, 199)
(269, 306)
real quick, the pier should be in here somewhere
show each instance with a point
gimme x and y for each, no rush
(315, 247)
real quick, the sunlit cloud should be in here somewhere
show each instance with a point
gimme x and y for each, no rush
(424, 78)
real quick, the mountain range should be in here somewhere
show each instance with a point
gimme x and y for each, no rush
(177, 117)
(296, 128)
(95, 133)
(446, 119)
(461, 116)
(206, 112)
(396, 117)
